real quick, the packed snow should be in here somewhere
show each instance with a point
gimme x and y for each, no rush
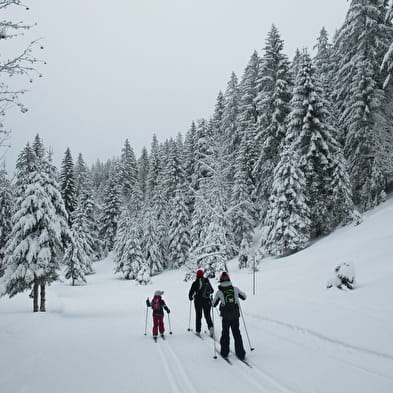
(307, 338)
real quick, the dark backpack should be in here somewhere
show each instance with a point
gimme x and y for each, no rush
(229, 310)
(205, 290)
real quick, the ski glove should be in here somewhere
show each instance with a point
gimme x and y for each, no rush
(147, 302)
(168, 310)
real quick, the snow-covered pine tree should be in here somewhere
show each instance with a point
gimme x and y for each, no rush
(288, 216)
(247, 111)
(179, 232)
(110, 209)
(6, 206)
(83, 242)
(128, 242)
(214, 243)
(86, 203)
(150, 242)
(75, 259)
(272, 103)
(364, 107)
(143, 171)
(128, 168)
(189, 167)
(229, 123)
(313, 140)
(39, 228)
(67, 184)
(243, 215)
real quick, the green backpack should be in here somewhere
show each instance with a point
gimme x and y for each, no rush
(229, 310)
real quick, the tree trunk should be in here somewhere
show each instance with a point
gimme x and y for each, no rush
(42, 305)
(35, 297)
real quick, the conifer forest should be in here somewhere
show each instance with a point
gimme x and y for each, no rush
(293, 149)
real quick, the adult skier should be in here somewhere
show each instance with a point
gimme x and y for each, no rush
(201, 291)
(228, 296)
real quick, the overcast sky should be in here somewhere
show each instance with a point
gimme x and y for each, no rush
(130, 68)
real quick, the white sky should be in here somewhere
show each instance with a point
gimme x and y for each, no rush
(127, 69)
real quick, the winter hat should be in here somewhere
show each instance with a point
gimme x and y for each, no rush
(158, 293)
(199, 273)
(224, 277)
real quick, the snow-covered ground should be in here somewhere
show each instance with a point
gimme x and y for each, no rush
(307, 339)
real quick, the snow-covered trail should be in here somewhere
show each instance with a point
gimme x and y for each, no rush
(306, 339)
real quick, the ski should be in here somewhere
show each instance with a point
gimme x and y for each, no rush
(246, 363)
(227, 360)
(200, 336)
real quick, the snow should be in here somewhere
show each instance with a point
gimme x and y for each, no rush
(307, 339)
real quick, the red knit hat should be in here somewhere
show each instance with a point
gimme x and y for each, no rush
(199, 273)
(224, 277)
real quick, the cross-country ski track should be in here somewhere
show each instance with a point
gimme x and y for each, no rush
(307, 339)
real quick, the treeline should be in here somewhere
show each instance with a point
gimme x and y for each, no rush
(292, 148)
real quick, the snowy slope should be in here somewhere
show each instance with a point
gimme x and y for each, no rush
(307, 339)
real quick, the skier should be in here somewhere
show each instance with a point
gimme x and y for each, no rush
(158, 305)
(229, 296)
(201, 291)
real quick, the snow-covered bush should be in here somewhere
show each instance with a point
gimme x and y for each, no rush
(344, 276)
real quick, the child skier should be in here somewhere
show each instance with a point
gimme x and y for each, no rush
(158, 305)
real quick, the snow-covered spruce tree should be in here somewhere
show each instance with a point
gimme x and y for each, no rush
(143, 171)
(364, 107)
(313, 140)
(86, 203)
(79, 253)
(288, 216)
(229, 123)
(189, 167)
(6, 205)
(179, 232)
(67, 184)
(215, 243)
(128, 168)
(173, 172)
(152, 252)
(75, 259)
(39, 229)
(110, 209)
(154, 168)
(130, 262)
(247, 113)
(272, 102)
(243, 216)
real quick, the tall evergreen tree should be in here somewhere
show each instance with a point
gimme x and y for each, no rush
(364, 107)
(128, 168)
(313, 139)
(179, 233)
(143, 171)
(288, 218)
(110, 210)
(274, 93)
(67, 184)
(39, 228)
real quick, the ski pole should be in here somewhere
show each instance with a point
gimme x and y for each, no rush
(245, 328)
(189, 318)
(214, 336)
(169, 321)
(147, 311)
